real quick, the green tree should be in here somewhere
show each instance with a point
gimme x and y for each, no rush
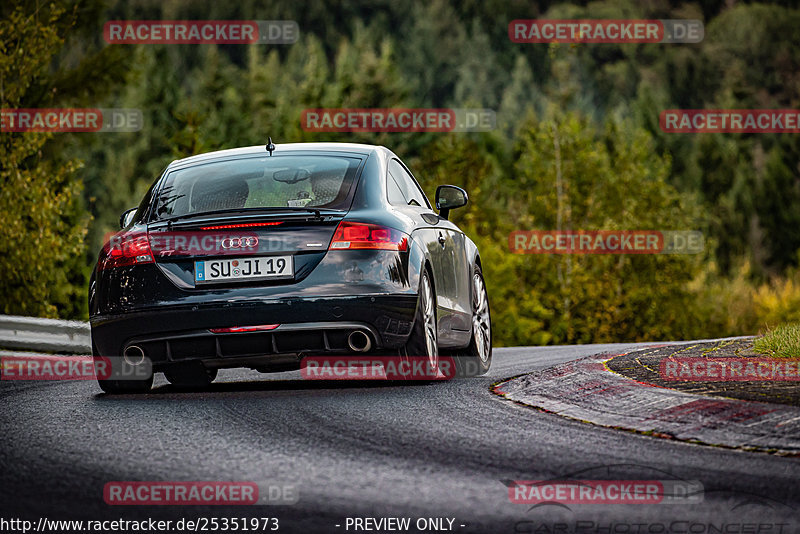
(42, 228)
(572, 177)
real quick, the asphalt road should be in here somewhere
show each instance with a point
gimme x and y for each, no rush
(368, 450)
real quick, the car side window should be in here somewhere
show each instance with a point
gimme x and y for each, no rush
(412, 194)
(395, 194)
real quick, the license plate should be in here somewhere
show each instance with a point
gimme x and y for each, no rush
(239, 269)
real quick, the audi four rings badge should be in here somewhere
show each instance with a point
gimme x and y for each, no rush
(239, 242)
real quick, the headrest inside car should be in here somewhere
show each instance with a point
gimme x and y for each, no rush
(219, 195)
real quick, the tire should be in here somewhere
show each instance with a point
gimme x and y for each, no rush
(476, 359)
(423, 340)
(190, 376)
(121, 387)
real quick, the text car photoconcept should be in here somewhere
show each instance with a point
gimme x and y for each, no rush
(256, 257)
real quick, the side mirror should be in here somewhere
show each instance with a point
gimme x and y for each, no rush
(449, 197)
(127, 217)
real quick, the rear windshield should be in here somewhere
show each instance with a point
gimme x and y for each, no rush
(266, 182)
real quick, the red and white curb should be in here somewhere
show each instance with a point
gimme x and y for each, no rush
(586, 390)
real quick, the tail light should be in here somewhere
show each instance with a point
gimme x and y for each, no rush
(360, 236)
(125, 249)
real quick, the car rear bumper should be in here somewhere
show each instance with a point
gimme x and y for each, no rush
(179, 333)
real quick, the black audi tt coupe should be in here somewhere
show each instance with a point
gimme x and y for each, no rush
(256, 257)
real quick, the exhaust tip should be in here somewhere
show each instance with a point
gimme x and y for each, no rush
(134, 355)
(359, 341)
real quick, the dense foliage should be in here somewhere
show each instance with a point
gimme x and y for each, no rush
(577, 145)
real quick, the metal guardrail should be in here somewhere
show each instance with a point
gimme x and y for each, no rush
(49, 335)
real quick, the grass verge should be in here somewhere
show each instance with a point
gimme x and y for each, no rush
(782, 342)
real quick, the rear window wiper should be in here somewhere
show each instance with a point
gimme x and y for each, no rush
(317, 212)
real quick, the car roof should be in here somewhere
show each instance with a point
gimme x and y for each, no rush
(282, 147)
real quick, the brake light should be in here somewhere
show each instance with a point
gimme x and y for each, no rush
(360, 236)
(125, 249)
(236, 329)
(243, 225)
